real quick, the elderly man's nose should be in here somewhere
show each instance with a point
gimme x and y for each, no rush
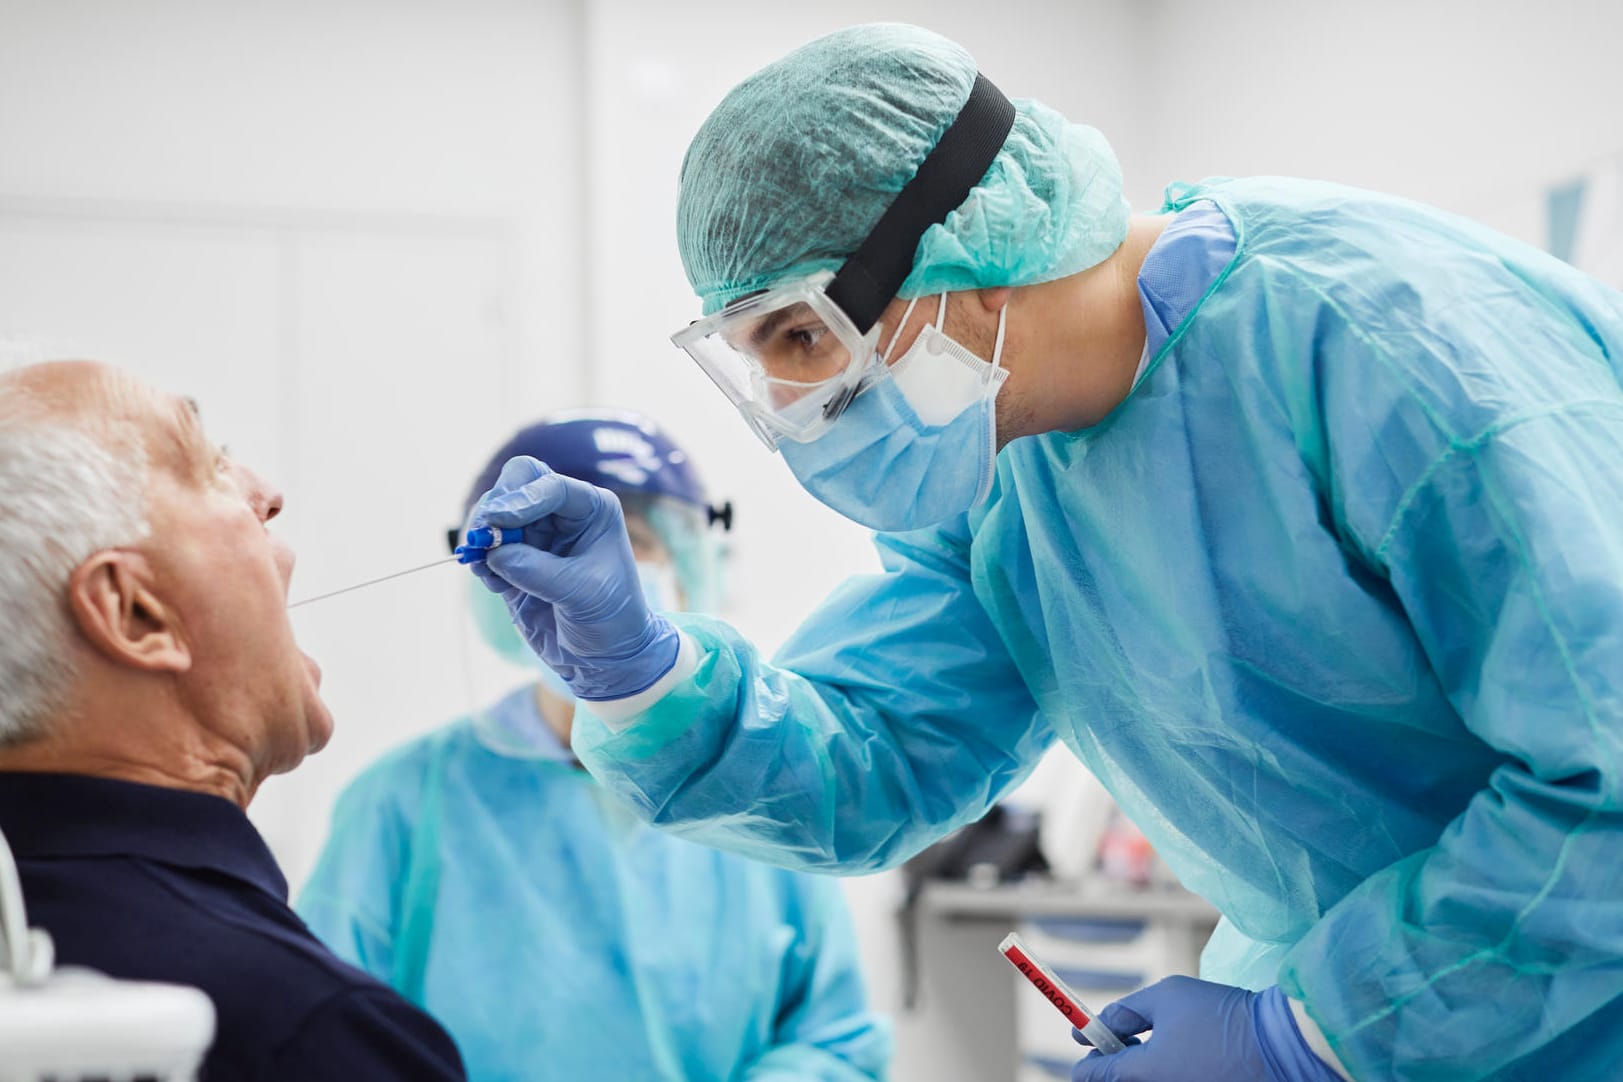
(264, 497)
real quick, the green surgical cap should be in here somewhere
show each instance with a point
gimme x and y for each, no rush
(794, 167)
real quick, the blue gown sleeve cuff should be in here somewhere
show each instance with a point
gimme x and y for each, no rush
(618, 715)
(1285, 1047)
(1317, 1042)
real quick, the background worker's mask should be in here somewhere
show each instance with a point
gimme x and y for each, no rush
(919, 444)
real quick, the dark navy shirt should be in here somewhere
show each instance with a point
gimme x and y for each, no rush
(164, 885)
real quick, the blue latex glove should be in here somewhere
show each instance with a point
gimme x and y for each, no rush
(571, 584)
(1206, 1032)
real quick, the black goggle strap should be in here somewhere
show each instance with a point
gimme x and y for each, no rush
(869, 279)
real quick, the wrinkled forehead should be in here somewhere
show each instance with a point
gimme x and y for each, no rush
(110, 405)
(84, 393)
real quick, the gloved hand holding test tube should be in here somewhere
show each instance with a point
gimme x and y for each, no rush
(1060, 995)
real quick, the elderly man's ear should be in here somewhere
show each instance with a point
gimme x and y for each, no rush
(122, 617)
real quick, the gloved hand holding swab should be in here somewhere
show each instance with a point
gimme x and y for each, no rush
(479, 542)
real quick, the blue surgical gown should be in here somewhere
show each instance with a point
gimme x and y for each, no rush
(1332, 603)
(556, 936)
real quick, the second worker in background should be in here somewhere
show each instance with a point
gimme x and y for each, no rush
(482, 872)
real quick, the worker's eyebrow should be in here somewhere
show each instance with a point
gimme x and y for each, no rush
(762, 332)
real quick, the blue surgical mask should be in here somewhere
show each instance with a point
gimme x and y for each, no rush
(919, 445)
(660, 588)
(495, 625)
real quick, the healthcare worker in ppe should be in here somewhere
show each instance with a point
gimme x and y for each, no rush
(485, 875)
(1295, 511)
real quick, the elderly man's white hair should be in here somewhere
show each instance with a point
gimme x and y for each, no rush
(63, 496)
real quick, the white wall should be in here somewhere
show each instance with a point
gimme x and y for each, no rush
(374, 235)
(352, 231)
(1471, 106)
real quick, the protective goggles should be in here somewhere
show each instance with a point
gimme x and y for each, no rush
(793, 357)
(789, 359)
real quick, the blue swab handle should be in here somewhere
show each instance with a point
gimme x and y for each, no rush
(482, 539)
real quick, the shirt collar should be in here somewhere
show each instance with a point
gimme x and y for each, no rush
(71, 815)
(1191, 253)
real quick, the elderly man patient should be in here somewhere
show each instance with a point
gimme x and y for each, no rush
(149, 683)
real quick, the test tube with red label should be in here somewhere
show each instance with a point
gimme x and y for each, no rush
(1057, 993)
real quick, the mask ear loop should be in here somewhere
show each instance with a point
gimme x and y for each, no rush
(997, 346)
(906, 315)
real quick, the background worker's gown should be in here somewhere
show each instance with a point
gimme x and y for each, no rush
(556, 936)
(1332, 603)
